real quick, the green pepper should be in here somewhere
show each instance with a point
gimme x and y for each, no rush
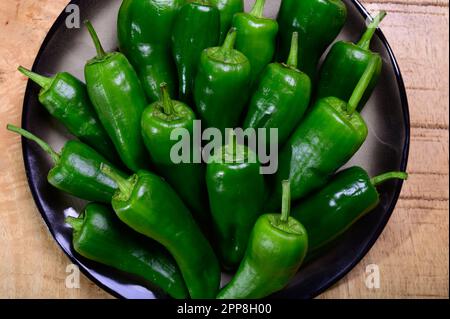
(118, 98)
(77, 169)
(236, 190)
(318, 23)
(348, 61)
(349, 196)
(66, 99)
(99, 236)
(159, 120)
(256, 37)
(281, 97)
(144, 30)
(196, 28)
(325, 140)
(147, 204)
(227, 8)
(222, 85)
(276, 250)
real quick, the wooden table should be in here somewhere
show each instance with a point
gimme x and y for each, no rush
(412, 253)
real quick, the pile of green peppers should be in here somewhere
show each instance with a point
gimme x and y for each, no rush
(177, 226)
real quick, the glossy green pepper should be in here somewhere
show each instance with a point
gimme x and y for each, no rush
(318, 23)
(281, 97)
(76, 170)
(118, 98)
(227, 8)
(236, 190)
(66, 99)
(349, 196)
(159, 121)
(277, 247)
(144, 29)
(325, 140)
(99, 236)
(147, 204)
(256, 37)
(348, 61)
(222, 85)
(196, 28)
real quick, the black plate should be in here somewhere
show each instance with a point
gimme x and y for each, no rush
(386, 149)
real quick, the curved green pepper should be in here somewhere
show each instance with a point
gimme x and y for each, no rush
(196, 28)
(276, 250)
(318, 23)
(222, 85)
(227, 8)
(236, 190)
(350, 195)
(281, 97)
(144, 30)
(66, 99)
(159, 120)
(99, 236)
(256, 37)
(118, 98)
(147, 204)
(76, 170)
(348, 61)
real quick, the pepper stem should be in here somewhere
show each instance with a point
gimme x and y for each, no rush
(42, 81)
(98, 45)
(388, 176)
(364, 43)
(55, 156)
(258, 9)
(361, 88)
(124, 185)
(293, 54)
(166, 100)
(75, 223)
(230, 40)
(286, 201)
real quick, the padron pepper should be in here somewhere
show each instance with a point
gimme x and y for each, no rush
(144, 30)
(147, 204)
(197, 27)
(349, 196)
(345, 64)
(256, 37)
(66, 99)
(99, 236)
(76, 170)
(118, 98)
(325, 140)
(222, 85)
(227, 8)
(236, 190)
(318, 23)
(277, 247)
(281, 97)
(159, 121)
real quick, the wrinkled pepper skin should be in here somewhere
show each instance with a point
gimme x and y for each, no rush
(236, 191)
(256, 37)
(144, 31)
(118, 98)
(159, 120)
(66, 99)
(281, 97)
(222, 85)
(151, 207)
(99, 236)
(348, 61)
(318, 23)
(227, 8)
(349, 196)
(197, 27)
(277, 247)
(76, 170)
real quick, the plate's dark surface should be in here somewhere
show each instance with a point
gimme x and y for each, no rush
(385, 150)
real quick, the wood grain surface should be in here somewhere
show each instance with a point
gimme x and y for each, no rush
(412, 253)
